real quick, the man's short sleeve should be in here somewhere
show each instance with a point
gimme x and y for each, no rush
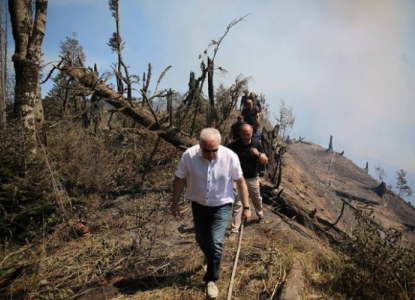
(259, 146)
(182, 170)
(237, 170)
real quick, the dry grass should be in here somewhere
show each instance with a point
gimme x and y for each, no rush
(138, 251)
(61, 265)
(165, 265)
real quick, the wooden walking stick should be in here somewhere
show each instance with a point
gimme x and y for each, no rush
(236, 260)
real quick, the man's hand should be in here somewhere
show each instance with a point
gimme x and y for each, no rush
(246, 215)
(178, 186)
(243, 194)
(254, 151)
(175, 210)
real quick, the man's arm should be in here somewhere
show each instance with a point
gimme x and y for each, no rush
(262, 158)
(243, 194)
(178, 186)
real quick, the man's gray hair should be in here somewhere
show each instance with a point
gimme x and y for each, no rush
(209, 134)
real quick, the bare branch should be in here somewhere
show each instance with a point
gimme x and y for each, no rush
(148, 79)
(51, 72)
(160, 78)
(218, 42)
(151, 109)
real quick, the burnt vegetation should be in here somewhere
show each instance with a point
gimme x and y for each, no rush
(84, 199)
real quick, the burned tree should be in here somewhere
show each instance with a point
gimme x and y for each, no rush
(117, 45)
(274, 149)
(330, 148)
(194, 99)
(3, 66)
(211, 112)
(28, 32)
(89, 80)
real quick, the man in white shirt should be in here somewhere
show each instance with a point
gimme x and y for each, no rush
(209, 170)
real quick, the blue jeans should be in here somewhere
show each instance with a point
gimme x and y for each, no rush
(210, 226)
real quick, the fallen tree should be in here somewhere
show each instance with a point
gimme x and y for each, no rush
(90, 80)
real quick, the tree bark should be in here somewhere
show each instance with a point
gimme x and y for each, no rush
(28, 36)
(211, 105)
(3, 68)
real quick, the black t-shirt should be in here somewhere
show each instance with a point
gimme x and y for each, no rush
(236, 128)
(248, 161)
(249, 115)
(244, 99)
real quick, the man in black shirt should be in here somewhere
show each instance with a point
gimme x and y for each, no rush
(244, 98)
(250, 152)
(235, 129)
(250, 113)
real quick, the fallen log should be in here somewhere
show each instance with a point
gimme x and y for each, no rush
(282, 204)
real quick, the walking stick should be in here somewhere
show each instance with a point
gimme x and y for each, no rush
(236, 260)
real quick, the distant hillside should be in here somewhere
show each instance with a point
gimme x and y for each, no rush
(323, 178)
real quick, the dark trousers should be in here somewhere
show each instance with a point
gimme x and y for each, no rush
(210, 226)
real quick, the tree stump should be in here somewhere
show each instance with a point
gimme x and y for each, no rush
(330, 149)
(381, 189)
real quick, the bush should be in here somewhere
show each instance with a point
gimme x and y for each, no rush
(376, 264)
(26, 203)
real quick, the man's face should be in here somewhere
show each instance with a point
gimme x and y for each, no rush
(246, 134)
(239, 120)
(249, 104)
(209, 149)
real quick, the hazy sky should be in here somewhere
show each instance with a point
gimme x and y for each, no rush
(347, 68)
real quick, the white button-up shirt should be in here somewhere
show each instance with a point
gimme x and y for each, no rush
(209, 183)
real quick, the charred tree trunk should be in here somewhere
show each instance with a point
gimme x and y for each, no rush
(330, 149)
(274, 149)
(146, 81)
(3, 68)
(192, 130)
(189, 99)
(192, 88)
(267, 140)
(28, 36)
(367, 167)
(211, 106)
(170, 107)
